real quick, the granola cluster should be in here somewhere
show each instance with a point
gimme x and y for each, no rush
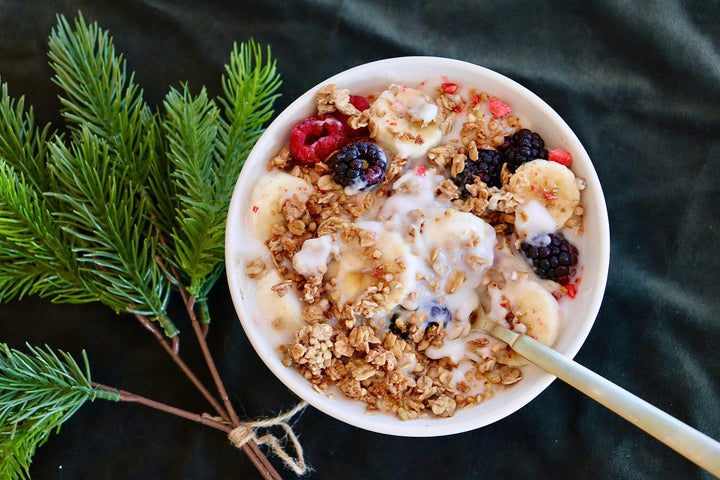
(350, 344)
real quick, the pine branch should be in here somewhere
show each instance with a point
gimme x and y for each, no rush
(98, 93)
(102, 183)
(249, 87)
(191, 131)
(22, 144)
(106, 213)
(90, 217)
(39, 390)
(33, 258)
(35, 255)
(207, 153)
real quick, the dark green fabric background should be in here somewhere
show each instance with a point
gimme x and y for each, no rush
(639, 82)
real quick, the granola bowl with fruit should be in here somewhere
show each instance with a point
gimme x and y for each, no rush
(381, 210)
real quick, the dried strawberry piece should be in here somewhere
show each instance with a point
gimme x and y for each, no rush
(498, 108)
(560, 156)
(315, 138)
(361, 103)
(449, 88)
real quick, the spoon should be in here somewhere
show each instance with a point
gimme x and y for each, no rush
(694, 445)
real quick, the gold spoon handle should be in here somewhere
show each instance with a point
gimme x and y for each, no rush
(694, 445)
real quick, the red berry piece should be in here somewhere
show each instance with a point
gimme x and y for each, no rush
(449, 88)
(361, 104)
(315, 138)
(560, 156)
(498, 108)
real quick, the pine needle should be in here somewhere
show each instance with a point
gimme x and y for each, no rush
(208, 147)
(35, 255)
(39, 390)
(86, 216)
(22, 144)
(107, 215)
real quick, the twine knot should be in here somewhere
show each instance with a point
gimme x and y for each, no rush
(247, 431)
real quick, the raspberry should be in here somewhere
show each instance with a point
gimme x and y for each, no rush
(555, 260)
(498, 108)
(560, 156)
(361, 104)
(358, 165)
(521, 147)
(315, 138)
(487, 167)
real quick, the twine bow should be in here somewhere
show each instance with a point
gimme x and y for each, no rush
(247, 431)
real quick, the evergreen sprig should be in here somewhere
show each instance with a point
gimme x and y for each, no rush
(100, 95)
(39, 390)
(22, 143)
(191, 125)
(106, 214)
(208, 146)
(35, 257)
(125, 206)
(86, 217)
(84, 231)
(101, 182)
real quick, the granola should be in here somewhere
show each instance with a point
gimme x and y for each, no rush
(378, 280)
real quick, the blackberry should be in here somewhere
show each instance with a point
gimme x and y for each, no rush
(358, 165)
(522, 146)
(555, 260)
(487, 167)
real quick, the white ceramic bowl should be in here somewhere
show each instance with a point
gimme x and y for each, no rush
(373, 77)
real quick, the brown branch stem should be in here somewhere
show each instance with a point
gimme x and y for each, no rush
(205, 329)
(130, 397)
(190, 306)
(173, 352)
(201, 333)
(176, 344)
(250, 448)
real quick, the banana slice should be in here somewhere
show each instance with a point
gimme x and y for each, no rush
(460, 232)
(285, 312)
(387, 265)
(536, 310)
(549, 183)
(266, 199)
(402, 120)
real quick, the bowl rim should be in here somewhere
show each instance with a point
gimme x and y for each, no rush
(428, 426)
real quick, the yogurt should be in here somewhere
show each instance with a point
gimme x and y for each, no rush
(371, 290)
